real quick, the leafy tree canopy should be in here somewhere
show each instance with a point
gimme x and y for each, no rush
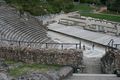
(41, 7)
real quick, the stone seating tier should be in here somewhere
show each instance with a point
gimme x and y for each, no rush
(14, 26)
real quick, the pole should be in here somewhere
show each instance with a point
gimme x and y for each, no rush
(76, 46)
(19, 44)
(80, 44)
(62, 46)
(46, 45)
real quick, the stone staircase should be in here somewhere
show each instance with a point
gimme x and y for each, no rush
(92, 65)
(93, 77)
(92, 70)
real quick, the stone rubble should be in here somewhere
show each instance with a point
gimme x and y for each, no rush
(36, 76)
(50, 75)
(111, 61)
(66, 57)
(69, 57)
(3, 76)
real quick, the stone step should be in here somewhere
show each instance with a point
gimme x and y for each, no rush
(93, 77)
(99, 75)
(92, 65)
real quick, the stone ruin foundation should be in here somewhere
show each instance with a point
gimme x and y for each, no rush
(66, 57)
(110, 61)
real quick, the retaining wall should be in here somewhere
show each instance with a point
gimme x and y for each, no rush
(70, 57)
(111, 61)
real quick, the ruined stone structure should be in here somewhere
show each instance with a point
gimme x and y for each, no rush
(50, 75)
(2, 2)
(18, 26)
(92, 24)
(69, 57)
(111, 61)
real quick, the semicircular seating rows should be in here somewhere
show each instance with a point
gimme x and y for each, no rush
(24, 28)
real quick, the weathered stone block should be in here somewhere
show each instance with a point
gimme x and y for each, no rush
(110, 62)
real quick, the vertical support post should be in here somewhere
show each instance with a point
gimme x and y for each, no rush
(80, 44)
(116, 46)
(46, 45)
(19, 44)
(19, 54)
(112, 44)
(76, 46)
(62, 46)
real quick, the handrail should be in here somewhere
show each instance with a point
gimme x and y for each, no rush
(76, 45)
(35, 42)
(111, 43)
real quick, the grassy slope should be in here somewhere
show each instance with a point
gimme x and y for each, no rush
(86, 10)
(109, 17)
(25, 68)
(83, 7)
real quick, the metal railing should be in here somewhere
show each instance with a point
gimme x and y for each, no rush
(112, 46)
(14, 43)
(111, 43)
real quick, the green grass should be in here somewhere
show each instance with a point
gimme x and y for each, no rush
(109, 17)
(10, 62)
(83, 7)
(24, 68)
(111, 12)
(86, 10)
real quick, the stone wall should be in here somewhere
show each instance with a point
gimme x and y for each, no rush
(70, 57)
(111, 61)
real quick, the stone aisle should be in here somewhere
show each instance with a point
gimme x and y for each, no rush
(92, 61)
(92, 65)
(92, 69)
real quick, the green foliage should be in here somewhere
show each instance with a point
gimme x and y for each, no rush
(83, 7)
(114, 5)
(10, 62)
(41, 7)
(90, 1)
(25, 68)
(103, 1)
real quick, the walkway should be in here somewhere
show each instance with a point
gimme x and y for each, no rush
(91, 60)
(72, 34)
(93, 77)
(95, 37)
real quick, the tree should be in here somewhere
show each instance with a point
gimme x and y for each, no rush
(41, 7)
(115, 5)
(104, 2)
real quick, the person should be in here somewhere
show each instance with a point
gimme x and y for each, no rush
(83, 47)
(93, 46)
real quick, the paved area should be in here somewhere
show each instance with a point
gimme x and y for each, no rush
(93, 77)
(98, 51)
(91, 57)
(96, 37)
